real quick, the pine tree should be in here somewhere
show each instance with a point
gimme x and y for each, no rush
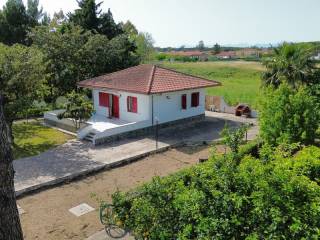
(13, 23)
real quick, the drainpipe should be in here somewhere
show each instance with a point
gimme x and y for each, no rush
(152, 109)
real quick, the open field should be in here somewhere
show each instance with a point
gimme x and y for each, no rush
(33, 138)
(240, 80)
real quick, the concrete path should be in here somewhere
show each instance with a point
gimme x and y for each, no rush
(76, 158)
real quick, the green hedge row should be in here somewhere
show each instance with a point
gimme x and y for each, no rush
(278, 199)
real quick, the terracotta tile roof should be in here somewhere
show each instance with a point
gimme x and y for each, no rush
(147, 79)
(187, 53)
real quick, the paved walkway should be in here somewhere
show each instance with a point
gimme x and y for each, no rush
(76, 158)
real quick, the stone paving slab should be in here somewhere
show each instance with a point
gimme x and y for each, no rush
(78, 158)
(81, 209)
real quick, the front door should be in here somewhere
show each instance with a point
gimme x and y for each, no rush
(115, 106)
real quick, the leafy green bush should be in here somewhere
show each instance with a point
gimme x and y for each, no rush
(277, 199)
(288, 115)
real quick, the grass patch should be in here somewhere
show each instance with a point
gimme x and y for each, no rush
(33, 138)
(240, 80)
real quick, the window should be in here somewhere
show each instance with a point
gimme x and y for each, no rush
(103, 99)
(132, 104)
(184, 101)
(195, 99)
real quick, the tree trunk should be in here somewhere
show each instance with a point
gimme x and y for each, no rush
(10, 227)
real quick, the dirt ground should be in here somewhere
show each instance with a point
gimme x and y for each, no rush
(47, 216)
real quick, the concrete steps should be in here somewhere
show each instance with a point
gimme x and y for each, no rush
(90, 136)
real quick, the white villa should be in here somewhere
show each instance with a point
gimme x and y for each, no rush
(138, 98)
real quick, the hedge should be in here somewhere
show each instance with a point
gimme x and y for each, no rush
(278, 199)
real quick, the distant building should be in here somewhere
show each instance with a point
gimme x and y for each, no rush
(316, 56)
(248, 52)
(226, 55)
(198, 55)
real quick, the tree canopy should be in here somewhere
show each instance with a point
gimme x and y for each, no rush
(74, 55)
(22, 78)
(292, 64)
(90, 17)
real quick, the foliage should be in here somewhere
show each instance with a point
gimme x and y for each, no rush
(21, 78)
(130, 29)
(216, 48)
(201, 45)
(33, 138)
(78, 108)
(34, 13)
(288, 116)
(233, 138)
(143, 41)
(13, 22)
(240, 80)
(291, 64)
(220, 200)
(89, 17)
(145, 50)
(74, 55)
(16, 20)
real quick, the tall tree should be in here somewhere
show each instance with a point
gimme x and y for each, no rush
(34, 12)
(10, 227)
(13, 22)
(216, 48)
(74, 55)
(201, 45)
(108, 26)
(87, 15)
(291, 64)
(145, 49)
(21, 78)
(130, 29)
(90, 18)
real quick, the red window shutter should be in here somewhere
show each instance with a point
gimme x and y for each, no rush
(128, 104)
(134, 105)
(184, 101)
(103, 99)
(195, 99)
(198, 100)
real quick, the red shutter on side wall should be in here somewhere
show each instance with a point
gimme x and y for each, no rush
(128, 102)
(103, 99)
(195, 99)
(184, 101)
(198, 99)
(134, 105)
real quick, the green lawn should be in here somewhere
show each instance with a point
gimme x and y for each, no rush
(240, 80)
(33, 138)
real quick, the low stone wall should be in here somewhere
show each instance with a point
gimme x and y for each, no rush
(149, 130)
(61, 125)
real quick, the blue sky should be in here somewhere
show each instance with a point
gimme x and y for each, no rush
(185, 22)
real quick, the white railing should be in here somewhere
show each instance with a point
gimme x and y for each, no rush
(121, 129)
(83, 132)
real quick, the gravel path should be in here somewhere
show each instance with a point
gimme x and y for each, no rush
(79, 157)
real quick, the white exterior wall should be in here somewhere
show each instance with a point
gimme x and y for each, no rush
(167, 106)
(144, 105)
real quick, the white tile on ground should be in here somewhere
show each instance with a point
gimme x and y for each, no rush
(20, 210)
(81, 209)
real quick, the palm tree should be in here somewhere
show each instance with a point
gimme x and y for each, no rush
(291, 63)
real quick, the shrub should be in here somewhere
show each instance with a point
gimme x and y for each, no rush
(287, 115)
(219, 199)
